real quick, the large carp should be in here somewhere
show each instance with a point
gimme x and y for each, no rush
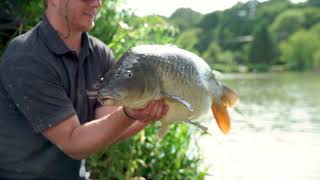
(183, 79)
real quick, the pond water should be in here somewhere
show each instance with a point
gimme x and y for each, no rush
(275, 130)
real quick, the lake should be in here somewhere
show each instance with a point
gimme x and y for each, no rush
(275, 130)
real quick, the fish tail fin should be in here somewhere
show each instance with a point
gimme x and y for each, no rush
(219, 108)
(229, 97)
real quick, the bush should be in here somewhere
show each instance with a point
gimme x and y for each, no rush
(299, 50)
(148, 156)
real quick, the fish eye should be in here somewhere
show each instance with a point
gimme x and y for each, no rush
(115, 75)
(128, 74)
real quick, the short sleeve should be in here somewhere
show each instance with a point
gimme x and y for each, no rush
(37, 91)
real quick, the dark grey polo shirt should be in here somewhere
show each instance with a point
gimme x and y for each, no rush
(42, 83)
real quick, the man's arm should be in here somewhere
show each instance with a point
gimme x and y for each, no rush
(133, 129)
(79, 141)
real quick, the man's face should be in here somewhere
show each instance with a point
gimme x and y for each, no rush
(81, 13)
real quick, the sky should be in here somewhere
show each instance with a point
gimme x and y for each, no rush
(167, 7)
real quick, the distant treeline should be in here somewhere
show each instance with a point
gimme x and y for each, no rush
(254, 36)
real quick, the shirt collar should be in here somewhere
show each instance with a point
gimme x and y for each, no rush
(86, 46)
(56, 44)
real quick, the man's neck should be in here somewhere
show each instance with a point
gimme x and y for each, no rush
(70, 37)
(73, 42)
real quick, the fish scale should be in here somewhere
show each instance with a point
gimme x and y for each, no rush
(181, 78)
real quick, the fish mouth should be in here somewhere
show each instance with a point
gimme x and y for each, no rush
(108, 100)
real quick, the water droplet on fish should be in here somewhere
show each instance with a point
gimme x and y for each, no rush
(17, 105)
(10, 85)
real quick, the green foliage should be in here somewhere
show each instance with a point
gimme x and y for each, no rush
(225, 27)
(301, 50)
(217, 58)
(316, 60)
(148, 156)
(269, 10)
(185, 18)
(210, 20)
(16, 17)
(189, 39)
(313, 2)
(251, 33)
(148, 30)
(312, 16)
(287, 23)
(262, 49)
(108, 21)
(293, 20)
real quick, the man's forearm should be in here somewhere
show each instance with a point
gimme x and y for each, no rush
(97, 134)
(132, 130)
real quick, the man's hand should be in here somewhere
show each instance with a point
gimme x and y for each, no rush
(154, 111)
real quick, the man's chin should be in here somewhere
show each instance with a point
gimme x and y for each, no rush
(87, 27)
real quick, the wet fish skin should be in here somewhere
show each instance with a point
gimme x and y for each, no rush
(184, 80)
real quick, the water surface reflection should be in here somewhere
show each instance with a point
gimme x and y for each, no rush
(275, 133)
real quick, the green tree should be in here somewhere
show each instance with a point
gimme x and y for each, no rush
(16, 17)
(300, 51)
(108, 20)
(211, 55)
(185, 18)
(287, 23)
(312, 16)
(218, 59)
(134, 30)
(269, 10)
(189, 39)
(313, 2)
(207, 25)
(262, 49)
(316, 60)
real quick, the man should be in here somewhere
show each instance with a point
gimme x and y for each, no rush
(48, 122)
